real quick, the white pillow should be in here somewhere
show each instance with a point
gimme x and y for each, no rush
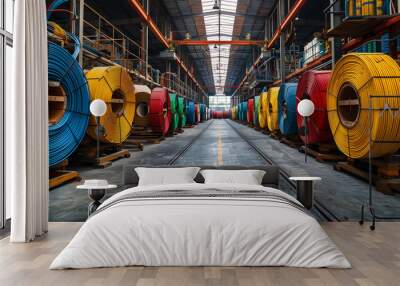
(248, 177)
(166, 176)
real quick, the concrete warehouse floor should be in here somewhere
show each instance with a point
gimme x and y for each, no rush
(342, 194)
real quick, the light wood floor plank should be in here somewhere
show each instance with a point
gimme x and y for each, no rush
(375, 257)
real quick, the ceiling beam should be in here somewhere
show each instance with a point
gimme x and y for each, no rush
(218, 42)
(216, 12)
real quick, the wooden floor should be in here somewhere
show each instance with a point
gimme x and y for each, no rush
(375, 257)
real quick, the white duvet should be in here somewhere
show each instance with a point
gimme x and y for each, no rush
(200, 231)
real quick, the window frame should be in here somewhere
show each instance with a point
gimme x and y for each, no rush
(6, 39)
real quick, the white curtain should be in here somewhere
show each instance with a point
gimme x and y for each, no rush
(27, 124)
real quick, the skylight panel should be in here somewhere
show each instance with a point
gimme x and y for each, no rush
(219, 54)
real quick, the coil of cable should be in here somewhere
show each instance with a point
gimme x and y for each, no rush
(272, 109)
(233, 113)
(160, 110)
(190, 113)
(142, 97)
(250, 110)
(363, 102)
(226, 114)
(181, 112)
(197, 112)
(262, 110)
(68, 118)
(313, 86)
(287, 113)
(244, 111)
(114, 86)
(174, 112)
(202, 112)
(256, 108)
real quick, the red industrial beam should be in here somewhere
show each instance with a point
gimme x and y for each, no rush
(153, 27)
(292, 14)
(217, 42)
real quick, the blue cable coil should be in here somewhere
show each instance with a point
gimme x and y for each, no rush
(244, 111)
(53, 6)
(287, 112)
(190, 114)
(66, 134)
(202, 112)
(240, 115)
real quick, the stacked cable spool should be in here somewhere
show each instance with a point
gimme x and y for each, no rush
(226, 114)
(174, 112)
(181, 112)
(197, 112)
(250, 110)
(239, 111)
(272, 109)
(313, 85)
(68, 104)
(287, 112)
(142, 96)
(233, 111)
(244, 111)
(256, 109)
(190, 113)
(202, 112)
(114, 86)
(363, 102)
(160, 110)
(262, 110)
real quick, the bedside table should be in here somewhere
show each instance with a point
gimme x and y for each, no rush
(305, 190)
(96, 191)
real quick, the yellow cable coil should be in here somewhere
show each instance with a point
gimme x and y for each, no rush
(142, 96)
(262, 110)
(361, 81)
(113, 85)
(272, 109)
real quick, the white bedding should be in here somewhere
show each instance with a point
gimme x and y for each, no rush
(200, 231)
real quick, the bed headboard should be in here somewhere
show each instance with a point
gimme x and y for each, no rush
(270, 179)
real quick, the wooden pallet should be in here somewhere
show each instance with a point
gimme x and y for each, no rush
(87, 155)
(133, 144)
(385, 173)
(106, 160)
(322, 154)
(145, 136)
(58, 175)
(291, 141)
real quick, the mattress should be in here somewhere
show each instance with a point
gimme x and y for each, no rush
(201, 225)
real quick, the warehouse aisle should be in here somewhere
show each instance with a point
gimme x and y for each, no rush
(218, 145)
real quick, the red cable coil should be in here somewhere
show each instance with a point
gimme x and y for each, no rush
(226, 114)
(197, 112)
(160, 110)
(313, 85)
(250, 110)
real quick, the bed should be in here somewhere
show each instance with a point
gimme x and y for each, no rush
(199, 224)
